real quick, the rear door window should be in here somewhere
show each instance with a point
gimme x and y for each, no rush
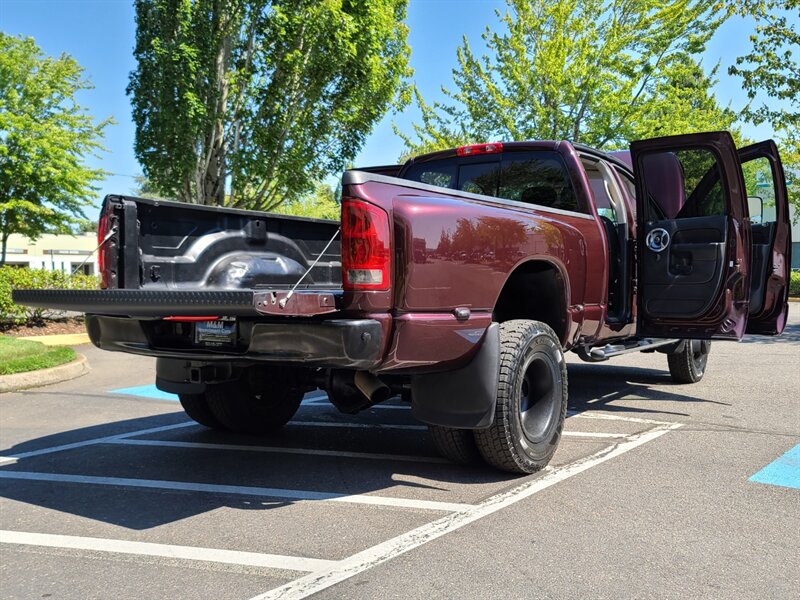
(537, 178)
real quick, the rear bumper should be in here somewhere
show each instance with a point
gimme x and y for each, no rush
(333, 343)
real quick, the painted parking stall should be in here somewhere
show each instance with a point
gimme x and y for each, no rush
(325, 472)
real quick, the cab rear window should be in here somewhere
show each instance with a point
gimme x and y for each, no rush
(531, 177)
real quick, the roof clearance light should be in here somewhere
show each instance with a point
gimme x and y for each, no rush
(490, 148)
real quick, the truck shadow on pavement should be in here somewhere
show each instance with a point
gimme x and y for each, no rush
(597, 387)
(320, 460)
(138, 509)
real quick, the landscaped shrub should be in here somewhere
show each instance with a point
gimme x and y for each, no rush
(13, 278)
(794, 284)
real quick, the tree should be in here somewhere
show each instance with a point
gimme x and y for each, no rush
(592, 71)
(249, 103)
(319, 204)
(45, 138)
(84, 226)
(772, 69)
(144, 188)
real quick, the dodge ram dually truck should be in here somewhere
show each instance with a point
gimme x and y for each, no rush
(457, 280)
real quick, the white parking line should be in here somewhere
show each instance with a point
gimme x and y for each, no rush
(280, 450)
(357, 425)
(588, 434)
(607, 417)
(322, 400)
(216, 555)
(593, 434)
(239, 490)
(15, 457)
(344, 569)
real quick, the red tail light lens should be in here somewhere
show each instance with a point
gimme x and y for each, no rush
(366, 246)
(102, 231)
(490, 148)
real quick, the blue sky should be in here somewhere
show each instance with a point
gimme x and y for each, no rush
(99, 34)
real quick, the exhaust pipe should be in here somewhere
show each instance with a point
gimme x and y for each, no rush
(373, 388)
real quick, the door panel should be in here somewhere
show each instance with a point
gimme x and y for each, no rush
(763, 239)
(771, 257)
(683, 279)
(694, 241)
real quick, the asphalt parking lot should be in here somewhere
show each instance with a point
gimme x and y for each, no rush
(657, 490)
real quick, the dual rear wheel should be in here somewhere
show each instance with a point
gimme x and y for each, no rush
(236, 406)
(531, 405)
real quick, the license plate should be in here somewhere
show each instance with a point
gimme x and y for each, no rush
(215, 333)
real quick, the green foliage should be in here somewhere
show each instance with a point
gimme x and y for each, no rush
(84, 226)
(248, 103)
(588, 71)
(794, 284)
(21, 356)
(320, 204)
(45, 137)
(771, 77)
(13, 278)
(144, 188)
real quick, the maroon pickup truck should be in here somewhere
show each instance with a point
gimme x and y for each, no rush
(456, 280)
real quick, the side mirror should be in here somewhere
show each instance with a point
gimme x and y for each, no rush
(755, 206)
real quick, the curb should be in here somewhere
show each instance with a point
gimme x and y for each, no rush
(63, 339)
(21, 381)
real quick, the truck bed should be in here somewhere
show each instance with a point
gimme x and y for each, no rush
(171, 258)
(190, 247)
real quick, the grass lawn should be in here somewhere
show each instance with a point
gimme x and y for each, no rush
(19, 356)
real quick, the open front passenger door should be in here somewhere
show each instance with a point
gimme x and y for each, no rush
(771, 230)
(694, 237)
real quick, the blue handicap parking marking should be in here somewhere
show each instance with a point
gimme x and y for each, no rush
(146, 391)
(151, 391)
(785, 471)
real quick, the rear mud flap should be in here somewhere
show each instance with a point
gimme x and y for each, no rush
(464, 398)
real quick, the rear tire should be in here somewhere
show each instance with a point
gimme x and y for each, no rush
(196, 407)
(531, 399)
(456, 445)
(689, 364)
(238, 408)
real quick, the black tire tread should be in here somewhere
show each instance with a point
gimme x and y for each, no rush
(456, 445)
(681, 366)
(234, 405)
(494, 443)
(196, 407)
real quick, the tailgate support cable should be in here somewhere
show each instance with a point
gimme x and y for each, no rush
(283, 301)
(111, 232)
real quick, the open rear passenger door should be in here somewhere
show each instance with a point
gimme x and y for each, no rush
(693, 240)
(771, 231)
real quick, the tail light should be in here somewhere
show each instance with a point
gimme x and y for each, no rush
(366, 246)
(104, 226)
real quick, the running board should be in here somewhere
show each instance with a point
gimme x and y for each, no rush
(611, 350)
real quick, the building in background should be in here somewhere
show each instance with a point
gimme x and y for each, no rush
(64, 253)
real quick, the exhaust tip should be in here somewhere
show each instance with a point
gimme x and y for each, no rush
(373, 388)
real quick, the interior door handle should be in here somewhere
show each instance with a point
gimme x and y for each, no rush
(657, 239)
